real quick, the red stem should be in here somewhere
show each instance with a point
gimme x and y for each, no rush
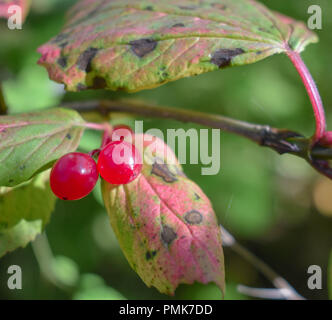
(107, 128)
(327, 139)
(313, 93)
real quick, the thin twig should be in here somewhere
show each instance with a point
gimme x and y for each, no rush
(285, 290)
(280, 140)
(265, 293)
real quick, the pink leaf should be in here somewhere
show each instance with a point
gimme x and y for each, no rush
(134, 45)
(165, 224)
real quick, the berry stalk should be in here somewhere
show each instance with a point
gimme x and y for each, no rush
(96, 126)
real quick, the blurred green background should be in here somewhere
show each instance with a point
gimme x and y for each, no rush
(276, 206)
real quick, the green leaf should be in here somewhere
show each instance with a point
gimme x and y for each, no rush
(5, 4)
(165, 224)
(24, 212)
(133, 45)
(32, 141)
(19, 235)
(65, 271)
(93, 287)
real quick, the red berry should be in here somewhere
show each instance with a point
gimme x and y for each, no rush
(119, 162)
(120, 132)
(73, 176)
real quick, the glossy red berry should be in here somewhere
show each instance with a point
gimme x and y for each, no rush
(120, 132)
(74, 176)
(119, 162)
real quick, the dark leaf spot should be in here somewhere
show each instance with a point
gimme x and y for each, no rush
(197, 197)
(68, 136)
(149, 8)
(163, 74)
(167, 234)
(99, 83)
(259, 52)
(178, 25)
(193, 217)
(150, 254)
(22, 167)
(62, 62)
(10, 181)
(161, 170)
(223, 57)
(84, 60)
(143, 47)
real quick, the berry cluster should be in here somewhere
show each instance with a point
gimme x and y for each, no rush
(75, 174)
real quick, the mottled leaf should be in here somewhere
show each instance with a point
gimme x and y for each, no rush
(32, 141)
(24, 212)
(165, 224)
(6, 4)
(133, 45)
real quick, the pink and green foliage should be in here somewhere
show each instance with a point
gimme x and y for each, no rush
(164, 223)
(32, 141)
(133, 45)
(5, 4)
